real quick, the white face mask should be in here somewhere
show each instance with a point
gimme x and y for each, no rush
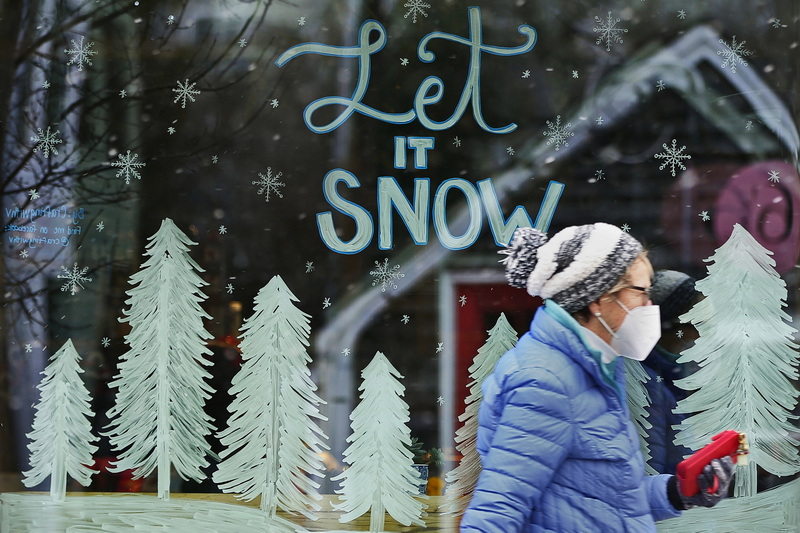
(639, 332)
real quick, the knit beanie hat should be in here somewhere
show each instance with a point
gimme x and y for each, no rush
(573, 268)
(672, 291)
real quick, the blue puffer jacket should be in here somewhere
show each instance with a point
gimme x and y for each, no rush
(559, 452)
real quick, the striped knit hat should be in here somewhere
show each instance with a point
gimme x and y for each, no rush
(574, 268)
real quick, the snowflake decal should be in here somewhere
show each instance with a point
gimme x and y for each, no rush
(626, 228)
(599, 175)
(269, 183)
(229, 288)
(46, 141)
(599, 121)
(557, 133)
(301, 21)
(679, 333)
(405, 319)
(704, 216)
(128, 167)
(346, 352)
(28, 348)
(242, 43)
(106, 342)
(774, 176)
(416, 7)
(274, 103)
(526, 74)
(574, 73)
(23, 254)
(456, 142)
(185, 92)
(660, 85)
(510, 150)
(34, 194)
(326, 303)
(100, 226)
(608, 31)
(440, 347)
(309, 267)
(776, 23)
(672, 156)
(75, 278)
(222, 230)
(81, 54)
(682, 14)
(733, 54)
(462, 300)
(440, 400)
(404, 61)
(385, 275)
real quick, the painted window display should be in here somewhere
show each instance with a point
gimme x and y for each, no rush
(250, 269)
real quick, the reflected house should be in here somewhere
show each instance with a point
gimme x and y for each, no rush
(683, 91)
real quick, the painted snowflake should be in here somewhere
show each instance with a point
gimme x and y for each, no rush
(774, 176)
(557, 133)
(608, 31)
(81, 54)
(660, 85)
(46, 141)
(184, 92)
(269, 183)
(733, 54)
(34, 194)
(128, 167)
(704, 216)
(75, 278)
(385, 276)
(672, 156)
(106, 342)
(416, 7)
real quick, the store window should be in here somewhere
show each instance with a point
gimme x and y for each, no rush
(183, 175)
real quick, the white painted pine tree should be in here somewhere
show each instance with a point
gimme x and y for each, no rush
(380, 477)
(747, 360)
(638, 401)
(158, 420)
(61, 439)
(462, 479)
(273, 444)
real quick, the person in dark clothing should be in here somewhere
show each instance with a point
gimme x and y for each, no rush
(674, 292)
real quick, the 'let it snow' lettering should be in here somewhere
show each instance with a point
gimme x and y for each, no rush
(429, 92)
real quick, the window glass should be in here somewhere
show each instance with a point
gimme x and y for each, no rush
(373, 156)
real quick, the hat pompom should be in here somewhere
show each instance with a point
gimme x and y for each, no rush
(521, 255)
